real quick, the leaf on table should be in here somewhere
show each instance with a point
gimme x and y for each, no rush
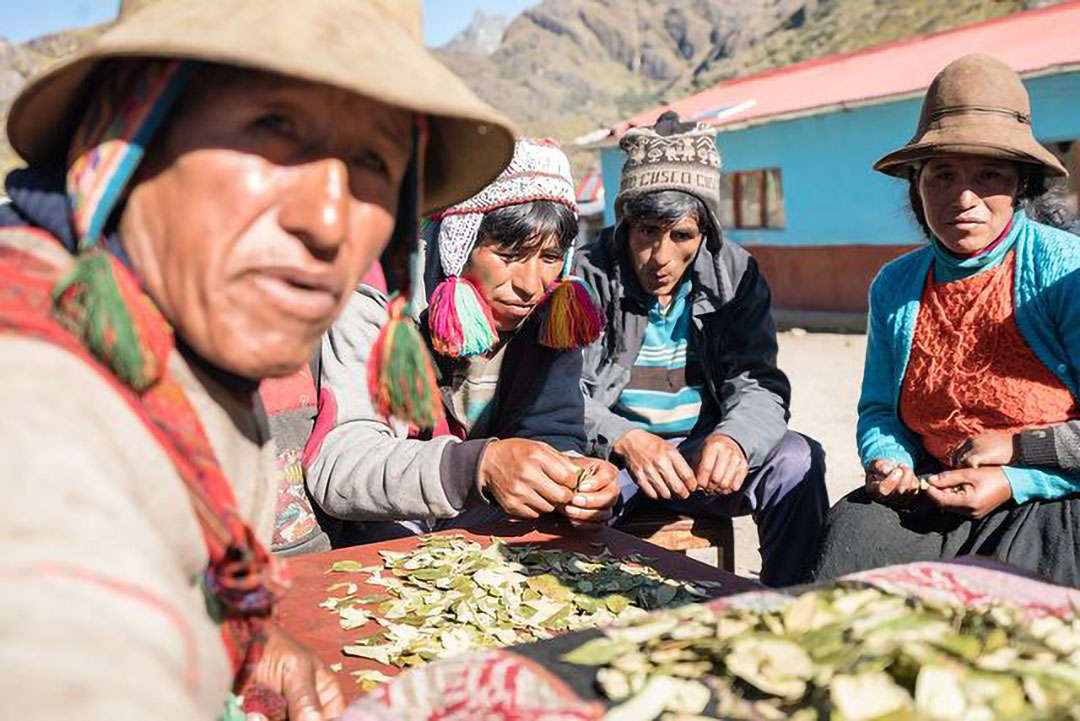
(939, 693)
(599, 651)
(867, 696)
(379, 654)
(773, 665)
(353, 617)
(370, 679)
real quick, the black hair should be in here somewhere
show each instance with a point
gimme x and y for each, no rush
(525, 227)
(663, 207)
(1037, 194)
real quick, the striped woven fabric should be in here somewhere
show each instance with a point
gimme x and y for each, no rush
(665, 389)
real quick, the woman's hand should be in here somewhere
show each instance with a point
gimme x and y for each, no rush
(989, 449)
(974, 492)
(527, 478)
(656, 465)
(287, 668)
(891, 483)
(595, 495)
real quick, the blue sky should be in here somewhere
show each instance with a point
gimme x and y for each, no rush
(443, 18)
(23, 19)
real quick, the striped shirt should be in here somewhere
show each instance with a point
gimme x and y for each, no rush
(665, 389)
(473, 383)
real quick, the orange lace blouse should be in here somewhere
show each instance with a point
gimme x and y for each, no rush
(970, 369)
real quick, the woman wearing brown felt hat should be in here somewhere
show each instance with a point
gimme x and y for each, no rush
(973, 349)
(205, 186)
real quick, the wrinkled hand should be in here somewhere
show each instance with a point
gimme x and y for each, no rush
(971, 492)
(988, 449)
(722, 465)
(596, 495)
(527, 478)
(656, 465)
(891, 483)
(287, 668)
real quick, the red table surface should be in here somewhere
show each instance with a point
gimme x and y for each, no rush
(318, 628)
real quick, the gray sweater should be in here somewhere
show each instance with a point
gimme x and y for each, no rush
(362, 467)
(1057, 447)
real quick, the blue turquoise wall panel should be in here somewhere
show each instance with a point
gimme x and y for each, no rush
(831, 195)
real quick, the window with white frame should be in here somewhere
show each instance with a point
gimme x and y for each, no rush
(752, 199)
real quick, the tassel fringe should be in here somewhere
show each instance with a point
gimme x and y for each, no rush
(572, 316)
(101, 303)
(459, 320)
(401, 376)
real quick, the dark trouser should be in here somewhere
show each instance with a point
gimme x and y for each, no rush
(1039, 536)
(786, 497)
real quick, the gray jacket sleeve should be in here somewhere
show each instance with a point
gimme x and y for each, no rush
(754, 393)
(362, 467)
(603, 427)
(1056, 447)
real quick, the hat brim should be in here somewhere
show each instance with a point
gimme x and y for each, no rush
(1022, 150)
(352, 45)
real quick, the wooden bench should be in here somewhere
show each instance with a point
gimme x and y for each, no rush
(682, 533)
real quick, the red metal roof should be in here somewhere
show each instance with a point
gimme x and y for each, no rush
(1028, 41)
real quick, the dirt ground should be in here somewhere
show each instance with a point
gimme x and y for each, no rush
(825, 371)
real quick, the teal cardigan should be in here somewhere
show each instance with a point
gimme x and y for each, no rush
(1047, 302)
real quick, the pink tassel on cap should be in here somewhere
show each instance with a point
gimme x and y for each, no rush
(572, 317)
(459, 320)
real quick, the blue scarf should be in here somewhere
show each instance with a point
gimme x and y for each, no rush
(948, 267)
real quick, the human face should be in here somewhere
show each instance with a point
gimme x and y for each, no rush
(968, 201)
(662, 253)
(256, 214)
(513, 283)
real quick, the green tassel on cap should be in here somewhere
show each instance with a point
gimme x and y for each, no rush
(401, 377)
(101, 302)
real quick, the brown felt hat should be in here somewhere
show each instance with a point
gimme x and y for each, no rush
(371, 47)
(977, 105)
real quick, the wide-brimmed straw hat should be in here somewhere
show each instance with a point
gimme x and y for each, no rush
(371, 47)
(977, 105)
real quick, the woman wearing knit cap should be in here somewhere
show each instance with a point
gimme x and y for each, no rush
(506, 324)
(974, 350)
(206, 185)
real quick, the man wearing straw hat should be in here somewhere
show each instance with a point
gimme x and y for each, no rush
(206, 185)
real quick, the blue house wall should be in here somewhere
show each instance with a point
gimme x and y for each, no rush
(831, 195)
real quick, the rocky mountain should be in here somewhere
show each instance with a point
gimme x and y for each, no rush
(19, 62)
(482, 36)
(565, 67)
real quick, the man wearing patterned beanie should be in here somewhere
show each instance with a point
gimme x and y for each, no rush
(682, 389)
(506, 325)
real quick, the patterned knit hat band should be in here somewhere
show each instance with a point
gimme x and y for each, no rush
(538, 171)
(687, 161)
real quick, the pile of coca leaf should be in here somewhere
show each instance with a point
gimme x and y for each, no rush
(848, 652)
(451, 595)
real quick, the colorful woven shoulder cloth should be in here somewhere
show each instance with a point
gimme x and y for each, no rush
(98, 312)
(241, 580)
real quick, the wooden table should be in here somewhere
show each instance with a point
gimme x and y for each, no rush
(299, 612)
